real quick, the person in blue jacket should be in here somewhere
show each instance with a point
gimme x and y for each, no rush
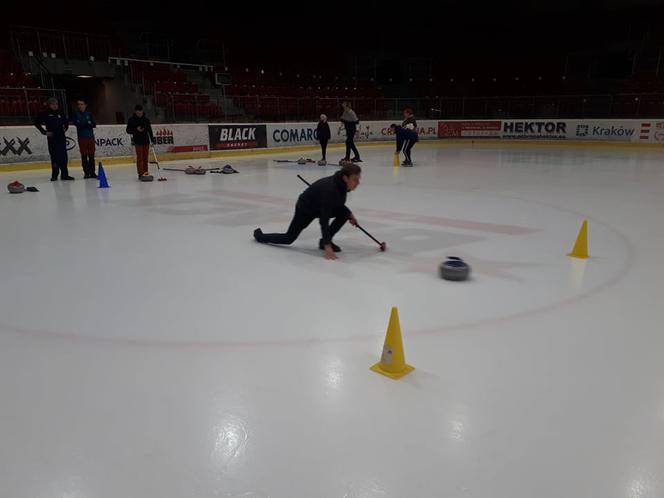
(406, 140)
(85, 125)
(53, 123)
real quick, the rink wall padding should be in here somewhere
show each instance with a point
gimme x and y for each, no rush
(23, 147)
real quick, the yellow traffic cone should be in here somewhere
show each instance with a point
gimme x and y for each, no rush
(393, 362)
(395, 161)
(580, 249)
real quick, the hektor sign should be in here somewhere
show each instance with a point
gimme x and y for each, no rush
(535, 129)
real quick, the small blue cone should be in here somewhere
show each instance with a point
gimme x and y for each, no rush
(103, 182)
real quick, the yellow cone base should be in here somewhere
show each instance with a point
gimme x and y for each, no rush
(392, 375)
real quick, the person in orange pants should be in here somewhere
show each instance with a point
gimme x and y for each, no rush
(140, 129)
(85, 125)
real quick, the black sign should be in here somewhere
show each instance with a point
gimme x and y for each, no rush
(223, 137)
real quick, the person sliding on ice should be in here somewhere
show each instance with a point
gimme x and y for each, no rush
(324, 134)
(140, 129)
(350, 122)
(85, 124)
(53, 123)
(324, 199)
(406, 140)
(409, 121)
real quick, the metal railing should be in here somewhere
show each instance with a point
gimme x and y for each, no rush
(21, 105)
(192, 107)
(262, 108)
(63, 44)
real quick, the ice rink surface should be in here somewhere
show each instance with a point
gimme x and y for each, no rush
(149, 347)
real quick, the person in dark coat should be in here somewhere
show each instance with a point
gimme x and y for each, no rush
(53, 123)
(85, 125)
(140, 129)
(324, 134)
(409, 120)
(406, 140)
(324, 199)
(350, 122)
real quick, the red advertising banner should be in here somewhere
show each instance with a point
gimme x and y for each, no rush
(469, 129)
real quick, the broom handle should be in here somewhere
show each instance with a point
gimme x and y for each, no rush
(154, 154)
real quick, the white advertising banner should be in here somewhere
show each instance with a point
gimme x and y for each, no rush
(27, 144)
(24, 144)
(601, 130)
(609, 130)
(293, 134)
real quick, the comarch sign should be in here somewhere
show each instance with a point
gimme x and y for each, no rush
(292, 135)
(295, 135)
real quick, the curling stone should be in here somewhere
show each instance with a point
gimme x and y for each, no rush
(16, 187)
(454, 269)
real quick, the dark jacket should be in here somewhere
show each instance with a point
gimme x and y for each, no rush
(53, 121)
(140, 137)
(323, 199)
(323, 131)
(403, 135)
(84, 123)
(410, 120)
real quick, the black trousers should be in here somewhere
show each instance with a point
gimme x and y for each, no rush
(57, 149)
(88, 163)
(302, 220)
(323, 147)
(407, 147)
(350, 145)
